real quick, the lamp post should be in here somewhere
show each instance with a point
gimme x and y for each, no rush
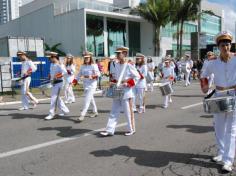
(199, 30)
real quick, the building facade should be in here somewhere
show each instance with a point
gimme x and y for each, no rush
(9, 10)
(95, 25)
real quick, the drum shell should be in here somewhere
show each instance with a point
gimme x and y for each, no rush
(16, 82)
(166, 89)
(114, 92)
(44, 87)
(226, 104)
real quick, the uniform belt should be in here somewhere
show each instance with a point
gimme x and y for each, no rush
(57, 81)
(225, 88)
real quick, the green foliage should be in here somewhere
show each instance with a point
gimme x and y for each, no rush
(157, 13)
(55, 48)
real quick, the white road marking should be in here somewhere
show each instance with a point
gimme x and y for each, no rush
(190, 106)
(50, 143)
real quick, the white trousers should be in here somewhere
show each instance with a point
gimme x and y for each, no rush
(69, 94)
(167, 99)
(56, 101)
(140, 95)
(225, 132)
(26, 96)
(187, 75)
(89, 98)
(117, 105)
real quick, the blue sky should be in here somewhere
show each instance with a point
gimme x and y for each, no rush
(229, 3)
(229, 7)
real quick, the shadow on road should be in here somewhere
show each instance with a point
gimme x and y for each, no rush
(206, 116)
(158, 158)
(153, 106)
(187, 96)
(193, 128)
(65, 131)
(18, 116)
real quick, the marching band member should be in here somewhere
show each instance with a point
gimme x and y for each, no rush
(26, 70)
(69, 77)
(187, 70)
(56, 75)
(167, 76)
(210, 56)
(141, 83)
(89, 73)
(224, 72)
(124, 77)
(150, 74)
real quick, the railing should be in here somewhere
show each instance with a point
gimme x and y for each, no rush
(62, 6)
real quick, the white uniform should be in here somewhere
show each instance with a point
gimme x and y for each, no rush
(150, 65)
(210, 78)
(125, 101)
(56, 100)
(167, 72)
(26, 95)
(186, 67)
(90, 86)
(69, 77)
(225, 123)
(141, 87)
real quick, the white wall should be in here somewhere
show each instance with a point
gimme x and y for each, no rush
(67, 29)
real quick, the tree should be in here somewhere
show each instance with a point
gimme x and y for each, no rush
(95, 29)
(185, 10)
(156, 12)
(55, 48)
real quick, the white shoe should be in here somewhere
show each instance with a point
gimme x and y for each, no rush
(165, 107)
(106, 134)
(217, 158)
(22, 109)
(129, 133)
(140, 111)
(170, 100)
(49, 117)
(80, 118)
(227, 167)
(61, 114)
(93, 115)
(66, 102)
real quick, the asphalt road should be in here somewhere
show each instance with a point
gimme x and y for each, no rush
(178, 141)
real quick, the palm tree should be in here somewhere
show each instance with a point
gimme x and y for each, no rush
(94, 29)
(186, 10)
(156, 12)
(55, 48)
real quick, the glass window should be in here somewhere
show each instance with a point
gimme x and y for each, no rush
(134, 38)
(95, 37)
(116, 34)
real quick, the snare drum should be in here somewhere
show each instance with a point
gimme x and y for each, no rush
(219, 104)
(114, 92)
(16, 82)
(165, 89)
(46, 86)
